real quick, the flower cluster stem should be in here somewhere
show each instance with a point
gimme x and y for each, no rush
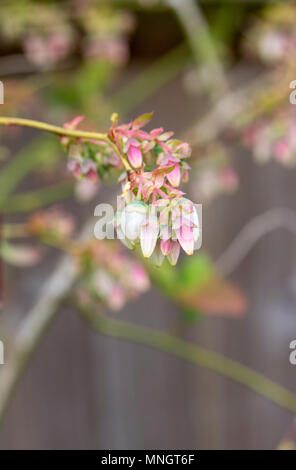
(61, 131)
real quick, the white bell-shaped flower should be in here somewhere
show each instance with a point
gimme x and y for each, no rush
(132, 218)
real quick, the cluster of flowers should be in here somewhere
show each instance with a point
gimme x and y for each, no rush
(89, 162)
(273, 137)
(48, 33)
(153, 211)
(106, 31)
(269, 124)
(106, 274)
(273, 38)
(111, 276)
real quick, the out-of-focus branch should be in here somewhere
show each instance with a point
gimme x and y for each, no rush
(202, 45)
(151, 78)
(223, 114)
(32, 200)
(35, 324)
(32, 328)
(251, 233)
(197, 355)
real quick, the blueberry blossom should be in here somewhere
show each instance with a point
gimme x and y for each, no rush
(153, 212)
(132, 218)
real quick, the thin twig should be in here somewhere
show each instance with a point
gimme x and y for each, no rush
(251, 233)
(61, 131)
(224, 112)
(32, 200)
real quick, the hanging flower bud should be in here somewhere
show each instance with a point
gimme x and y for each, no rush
(174, 176)
(173, 255)
(132, 217)
(149, 234)
(166, 246)
(157, 256)
(133, 151)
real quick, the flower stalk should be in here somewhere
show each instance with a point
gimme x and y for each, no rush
(63, 132)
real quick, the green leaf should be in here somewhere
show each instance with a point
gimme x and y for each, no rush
(142, 120)
(165, 277)
(195, 271)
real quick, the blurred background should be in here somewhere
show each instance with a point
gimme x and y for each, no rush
(218, 73)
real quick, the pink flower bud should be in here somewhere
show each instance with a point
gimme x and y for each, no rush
(185, 236)
(174, 176)
(132, 148)
(135, 156)
(166, 246)
(74, 166)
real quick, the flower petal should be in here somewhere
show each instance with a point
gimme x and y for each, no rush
(186, 238)
(132, 218)
(148, 235)
(174, 253)
(157, 257)
(166, 246)
(135, 156)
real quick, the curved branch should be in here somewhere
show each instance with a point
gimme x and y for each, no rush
(36, 322)
(31, 330)
(251, 233)
(197, 355)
